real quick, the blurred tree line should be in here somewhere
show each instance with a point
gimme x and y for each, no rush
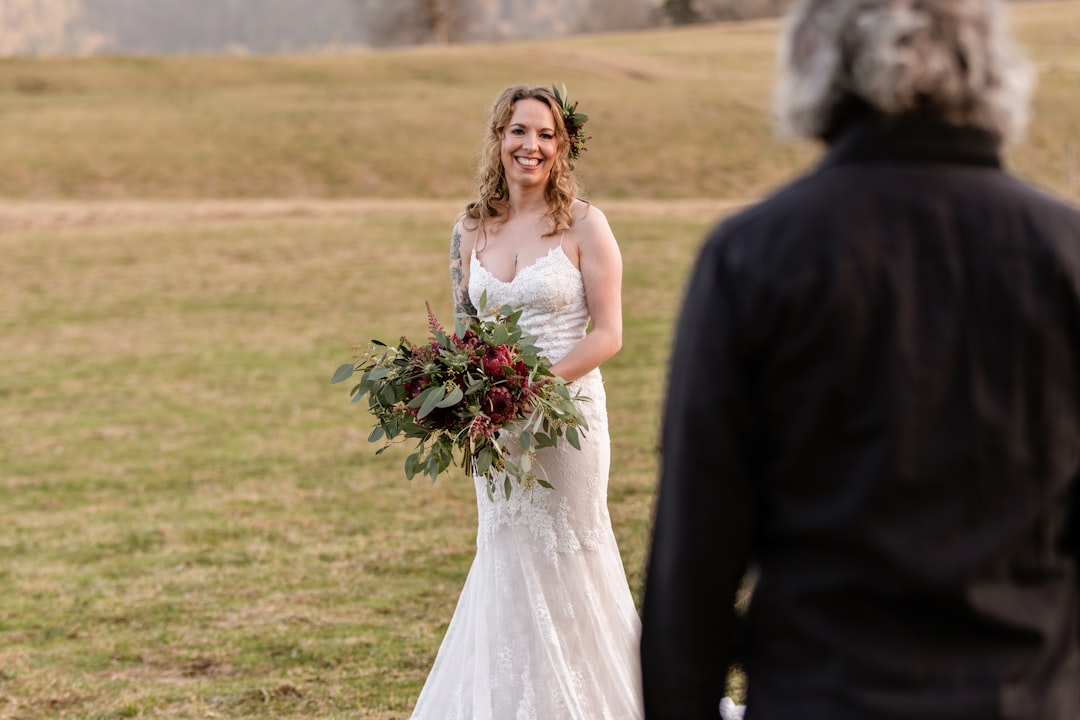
(404, 22)
(72, 27)
(52, 27)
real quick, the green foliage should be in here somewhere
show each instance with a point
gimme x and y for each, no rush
(573, 120)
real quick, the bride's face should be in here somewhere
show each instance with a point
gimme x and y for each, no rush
(529, 145)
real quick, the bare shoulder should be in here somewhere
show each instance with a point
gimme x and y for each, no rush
(590, 244)
(590, 226)
(588, 217)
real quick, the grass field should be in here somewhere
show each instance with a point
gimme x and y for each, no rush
(192, 524)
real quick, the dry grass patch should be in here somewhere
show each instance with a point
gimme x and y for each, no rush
(194, 524)
(673, 114)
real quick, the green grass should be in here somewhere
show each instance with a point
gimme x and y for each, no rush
(192, 524)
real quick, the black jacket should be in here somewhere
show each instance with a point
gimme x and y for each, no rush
(874, 401)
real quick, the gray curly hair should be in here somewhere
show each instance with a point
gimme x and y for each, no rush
(949, 58)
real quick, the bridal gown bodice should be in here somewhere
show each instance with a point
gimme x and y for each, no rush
(545, 627)
(549, 292)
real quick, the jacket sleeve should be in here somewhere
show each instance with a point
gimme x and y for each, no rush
(705, 511)
(1073, 532)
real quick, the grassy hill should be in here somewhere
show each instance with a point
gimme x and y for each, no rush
(192, 524)
(674, 114)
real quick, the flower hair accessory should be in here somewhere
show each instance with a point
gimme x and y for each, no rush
(574, 122)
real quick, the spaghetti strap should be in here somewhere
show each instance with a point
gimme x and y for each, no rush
(561, 238)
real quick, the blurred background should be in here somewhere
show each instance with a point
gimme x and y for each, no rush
(42, 27)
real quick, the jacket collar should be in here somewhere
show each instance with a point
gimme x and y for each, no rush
(912, 139)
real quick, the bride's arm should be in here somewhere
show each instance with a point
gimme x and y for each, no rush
(601, 270)
(459, 270)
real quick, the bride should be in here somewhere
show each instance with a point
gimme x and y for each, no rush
(545, 628)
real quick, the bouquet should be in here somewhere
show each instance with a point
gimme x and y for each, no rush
(482, 398)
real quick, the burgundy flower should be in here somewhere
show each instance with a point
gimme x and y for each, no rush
(481, 428)
(500, 404)
(494, 360)
(470, 340)
(414, 388)
(440, 418)
(433, 323)
(519, 379)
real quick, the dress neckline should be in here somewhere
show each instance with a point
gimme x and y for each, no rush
(551, 251)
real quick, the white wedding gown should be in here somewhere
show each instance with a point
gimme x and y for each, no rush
(545, 628)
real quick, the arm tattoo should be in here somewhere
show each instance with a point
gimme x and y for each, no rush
(460, 291)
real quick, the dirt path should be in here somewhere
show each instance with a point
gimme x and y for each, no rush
(15, 215)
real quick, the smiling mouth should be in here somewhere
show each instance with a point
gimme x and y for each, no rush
(528, 162)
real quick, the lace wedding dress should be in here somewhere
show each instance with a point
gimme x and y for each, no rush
(545, 628)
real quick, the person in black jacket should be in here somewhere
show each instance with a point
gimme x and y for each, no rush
(874, 402)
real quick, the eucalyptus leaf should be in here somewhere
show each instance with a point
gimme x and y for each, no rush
(343, 373)
(434, 397)
(572, 436)
(377, 433)
(411, 463)
(535, 422)
(388, 395)
(442, 338)
(483, 461)
(452, 398)
(420, 399)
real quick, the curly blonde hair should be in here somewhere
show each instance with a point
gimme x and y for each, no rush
(492, 193)
(951, 58)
